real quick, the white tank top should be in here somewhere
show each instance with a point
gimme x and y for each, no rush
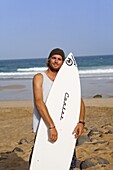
(46, 86)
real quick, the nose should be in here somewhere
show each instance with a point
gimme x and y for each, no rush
(56, 60)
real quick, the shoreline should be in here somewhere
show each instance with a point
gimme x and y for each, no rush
(92, 102)
(15, 103)
(21, 89)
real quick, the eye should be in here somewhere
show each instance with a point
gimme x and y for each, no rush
(54, 58)
(60, 59)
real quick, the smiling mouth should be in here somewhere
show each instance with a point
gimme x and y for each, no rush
(56, 65)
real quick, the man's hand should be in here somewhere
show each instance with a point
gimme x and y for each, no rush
(53, 134)
(78, 130)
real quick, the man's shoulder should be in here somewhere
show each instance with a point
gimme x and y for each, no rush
(38, 76)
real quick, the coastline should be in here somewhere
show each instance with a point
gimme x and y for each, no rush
(21, 89)
(89, 102)
(16, 137)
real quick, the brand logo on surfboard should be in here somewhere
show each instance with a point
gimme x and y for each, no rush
(70, 61)
(66, 96)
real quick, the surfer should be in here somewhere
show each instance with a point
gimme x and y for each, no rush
(42, 83)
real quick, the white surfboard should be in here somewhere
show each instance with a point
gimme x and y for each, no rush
(63, 104)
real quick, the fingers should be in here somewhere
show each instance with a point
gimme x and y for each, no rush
(78, 130)
(53, 135)
(53, 139)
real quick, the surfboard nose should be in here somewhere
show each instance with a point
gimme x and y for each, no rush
(70, 60)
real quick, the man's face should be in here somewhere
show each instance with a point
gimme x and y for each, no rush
(55, 62)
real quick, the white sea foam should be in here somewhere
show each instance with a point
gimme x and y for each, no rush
(96, 71)
(17, 75)
(31, 69)
(30, 72)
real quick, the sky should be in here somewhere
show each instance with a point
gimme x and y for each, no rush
(32, 28)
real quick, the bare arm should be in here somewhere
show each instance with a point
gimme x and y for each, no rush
(80, 126)
(41, 107)
(82, 112)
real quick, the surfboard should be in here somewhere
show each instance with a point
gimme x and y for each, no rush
(63, 104)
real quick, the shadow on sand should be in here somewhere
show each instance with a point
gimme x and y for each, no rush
(11, 161)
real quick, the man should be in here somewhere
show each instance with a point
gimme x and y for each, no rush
(42, 84)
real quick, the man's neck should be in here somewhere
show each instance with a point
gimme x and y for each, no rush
(51, 74)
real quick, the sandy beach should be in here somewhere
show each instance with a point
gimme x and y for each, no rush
(94, 147)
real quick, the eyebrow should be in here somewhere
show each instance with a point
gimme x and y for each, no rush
(57, 58)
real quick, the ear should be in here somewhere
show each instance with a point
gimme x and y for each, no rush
(47, 62)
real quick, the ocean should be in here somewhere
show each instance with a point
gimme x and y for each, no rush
(98, 67)
(96, 76)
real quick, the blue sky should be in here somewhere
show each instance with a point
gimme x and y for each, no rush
(32, 28)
